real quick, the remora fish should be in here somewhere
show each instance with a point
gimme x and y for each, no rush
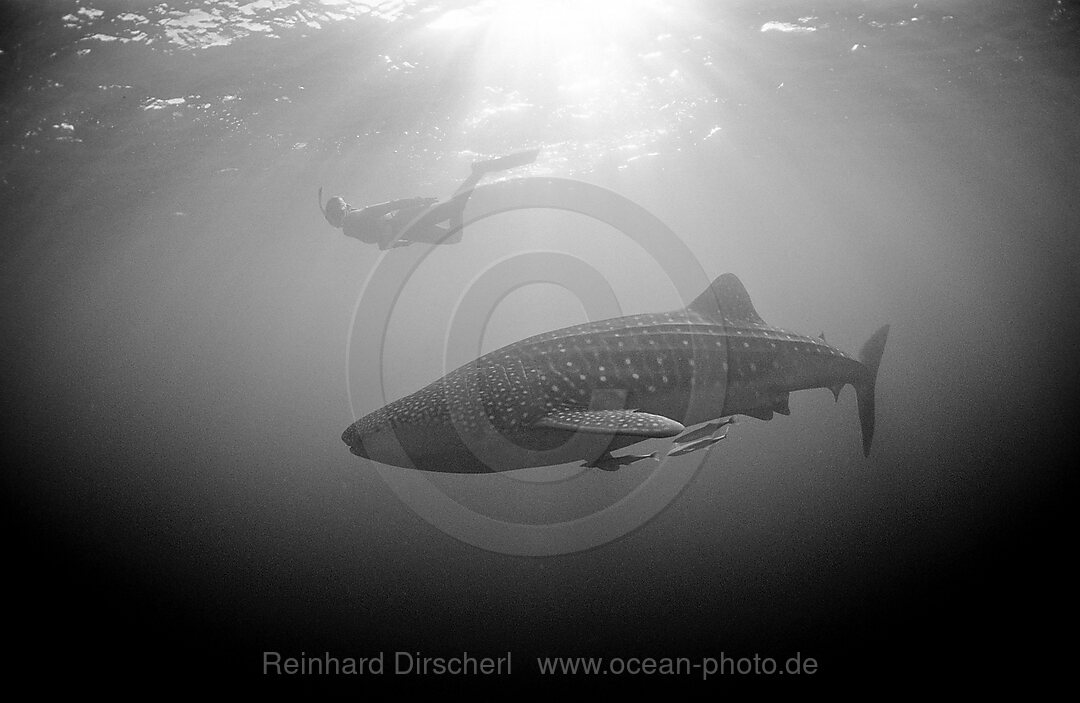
(696, 445)
(704, 431)
(579, 393)
(614, 463)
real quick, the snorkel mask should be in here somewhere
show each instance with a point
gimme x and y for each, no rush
(334, 211)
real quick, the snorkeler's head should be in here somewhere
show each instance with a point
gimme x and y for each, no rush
(335, 211)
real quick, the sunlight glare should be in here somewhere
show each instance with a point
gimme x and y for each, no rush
(574, 37)
(604, 71)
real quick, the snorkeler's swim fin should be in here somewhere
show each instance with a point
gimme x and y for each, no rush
(503, 163)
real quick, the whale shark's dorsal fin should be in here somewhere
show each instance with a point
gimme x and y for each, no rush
(727, 299)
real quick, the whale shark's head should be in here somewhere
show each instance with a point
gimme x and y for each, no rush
(393, 441)
(352, 438)
(376, 440)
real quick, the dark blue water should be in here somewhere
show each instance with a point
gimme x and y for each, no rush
(176, 313)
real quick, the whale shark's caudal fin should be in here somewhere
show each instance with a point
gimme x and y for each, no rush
(870, 356)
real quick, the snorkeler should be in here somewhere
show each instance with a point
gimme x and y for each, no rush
(398, 223)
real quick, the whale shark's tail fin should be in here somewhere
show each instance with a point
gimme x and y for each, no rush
(870, 356)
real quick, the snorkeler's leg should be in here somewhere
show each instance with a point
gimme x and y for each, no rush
(425, 223)
(441, 234)
(422, 225)
(470, 182)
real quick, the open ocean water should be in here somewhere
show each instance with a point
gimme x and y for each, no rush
(179, 350)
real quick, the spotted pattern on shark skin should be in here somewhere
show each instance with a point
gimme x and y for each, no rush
(559, 370)
(551, 371)
(717, 349)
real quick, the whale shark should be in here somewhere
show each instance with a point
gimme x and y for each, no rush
(576, 394)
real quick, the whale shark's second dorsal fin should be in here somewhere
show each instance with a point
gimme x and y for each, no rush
(727, 299)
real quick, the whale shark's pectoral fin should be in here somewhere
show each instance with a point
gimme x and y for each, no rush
(617, 422)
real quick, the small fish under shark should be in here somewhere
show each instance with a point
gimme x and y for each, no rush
(614, 463)
(579, 393)
(685, 443)
(704, 431)
(704, 443)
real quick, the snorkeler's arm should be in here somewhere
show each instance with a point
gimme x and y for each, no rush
(391, 205)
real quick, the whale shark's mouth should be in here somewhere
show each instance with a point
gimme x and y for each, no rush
(352, 438)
